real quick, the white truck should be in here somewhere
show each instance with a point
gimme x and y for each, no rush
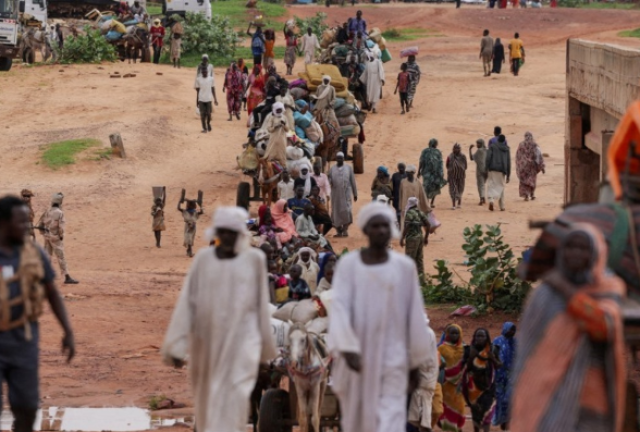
(10, 30)
(181, 7)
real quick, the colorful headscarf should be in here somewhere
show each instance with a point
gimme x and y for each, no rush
(323, 263)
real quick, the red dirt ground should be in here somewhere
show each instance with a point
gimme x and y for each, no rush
(128, 287)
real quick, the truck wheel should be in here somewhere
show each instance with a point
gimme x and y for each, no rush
(5, 64)
(358, 159)
(146, 55)
(274, 409)
(243, 195)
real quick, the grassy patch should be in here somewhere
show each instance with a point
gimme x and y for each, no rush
(630, 33)
(154, 9)
(64, 153)
(407, 34)
(240, 16)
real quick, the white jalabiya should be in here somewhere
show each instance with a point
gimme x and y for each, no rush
(222, 321)
(421, 403)
(309, 46)
(377, 312)
(372, 77)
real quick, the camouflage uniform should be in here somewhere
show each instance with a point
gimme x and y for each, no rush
(414, 220)
(54, 223)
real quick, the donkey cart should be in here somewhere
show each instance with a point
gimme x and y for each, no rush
(278, 405)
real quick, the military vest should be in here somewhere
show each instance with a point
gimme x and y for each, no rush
(29, 275)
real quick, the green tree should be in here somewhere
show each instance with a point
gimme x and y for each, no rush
(91, 47)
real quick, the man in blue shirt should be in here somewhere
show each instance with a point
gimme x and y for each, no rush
(257, 43)
(23, 262)
(357, 25)
(298, 202)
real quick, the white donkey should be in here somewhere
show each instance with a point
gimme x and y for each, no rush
(308, 370)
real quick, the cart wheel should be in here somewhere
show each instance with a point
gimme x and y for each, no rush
(318, 162)
(274, 408)
(243, 195)
(146, 55)
(358, 159)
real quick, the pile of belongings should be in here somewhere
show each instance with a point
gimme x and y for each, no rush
(112, 29)
(313, 313)
(306, 134)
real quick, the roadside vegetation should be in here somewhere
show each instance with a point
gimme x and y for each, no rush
(493, 283)
(408, 34)
(630, 33)
(64, 153)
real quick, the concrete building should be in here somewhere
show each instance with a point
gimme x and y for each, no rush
(602, 81)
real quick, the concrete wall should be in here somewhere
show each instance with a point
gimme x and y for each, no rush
(602, 80)
(603, 76)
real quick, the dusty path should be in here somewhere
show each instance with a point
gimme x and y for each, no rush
(120, 310)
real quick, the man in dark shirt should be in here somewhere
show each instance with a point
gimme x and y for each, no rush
(19, 333)
(298, 203)
(396, 179)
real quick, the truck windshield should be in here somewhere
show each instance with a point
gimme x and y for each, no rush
(6, 8)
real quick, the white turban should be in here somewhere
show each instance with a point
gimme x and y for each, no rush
(56, 198)
(411, 202)
(234, 219)
(382, 199)
(339, 154)
(278, 106)
(312, 253)
(411, 168)
(374, 209)
(326, 78)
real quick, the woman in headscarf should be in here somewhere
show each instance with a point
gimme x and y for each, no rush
(529, 163)
(267, 229)
(276, 125)
(456, 175)
(478, 381)
(256, 90)
(570, 369)
(269, 44)
(431, 171)
(234, 87)
(452, 351)
(498, 56)
(382, 184)
(244, 70)
(414, 78)
(327, 258)
(506, 343)
(290, 53)
(282, 219)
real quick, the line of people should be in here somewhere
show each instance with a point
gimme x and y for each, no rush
(493, 171)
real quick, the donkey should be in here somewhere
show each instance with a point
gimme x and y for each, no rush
(308, 370)
(268, 180)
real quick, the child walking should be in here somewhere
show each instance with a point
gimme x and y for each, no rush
(403, 87)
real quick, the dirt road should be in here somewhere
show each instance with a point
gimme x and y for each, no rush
(128, 287)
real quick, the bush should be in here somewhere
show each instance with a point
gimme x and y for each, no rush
(317, 23)
(217, 38)
(91, 47)
(494, 283)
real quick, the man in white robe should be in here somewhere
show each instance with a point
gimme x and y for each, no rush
(377, 332)
(420, 407)
(373, 78)
(222, 324)
(343, 187)
(310, 45)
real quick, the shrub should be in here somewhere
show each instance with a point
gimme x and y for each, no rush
(317, 23)
(217, 38)
(494, 283)
(91, 47)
